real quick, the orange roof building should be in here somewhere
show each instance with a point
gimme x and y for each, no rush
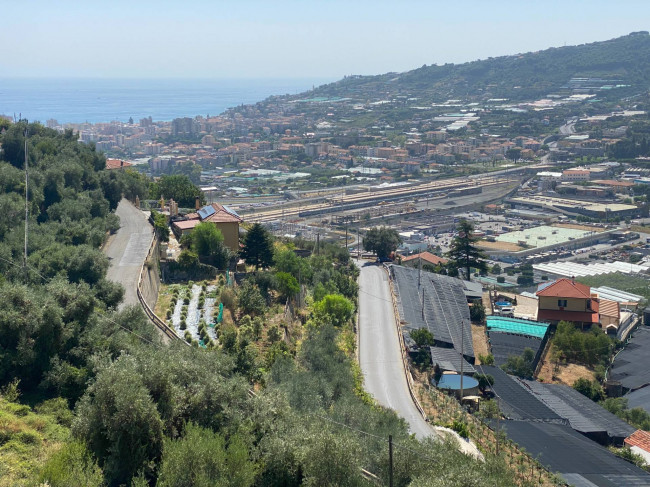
(117, 164)
(225, 219)
(567, 300)
(427, 257)
(639, 443)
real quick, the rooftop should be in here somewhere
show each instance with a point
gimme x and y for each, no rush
(565, 288)
(426, 257)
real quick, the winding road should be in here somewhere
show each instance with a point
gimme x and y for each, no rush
(127, 250)
(379, 350)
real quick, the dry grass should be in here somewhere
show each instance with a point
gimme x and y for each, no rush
(479, 340)
(509, 246)
(554, 373)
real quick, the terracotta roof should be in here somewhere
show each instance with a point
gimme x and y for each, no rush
(116, 164)
(186, 224)
(566, 288)
(612, 182)
(639, 439)
(426, 257)
(222, 215)
(609, 308)
(576, 316)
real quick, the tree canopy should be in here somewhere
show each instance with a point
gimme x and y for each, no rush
(258, 247)
(178, 187)
(463, 253)
(208, 243)
(381, 240)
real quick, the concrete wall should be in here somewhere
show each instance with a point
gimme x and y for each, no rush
(150, 284)
(230, 232)
(573, 304)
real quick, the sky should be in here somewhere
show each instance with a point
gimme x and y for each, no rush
(289, 38)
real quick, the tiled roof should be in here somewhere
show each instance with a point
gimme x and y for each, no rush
(639, 439)
(426, 257)
(566, 288)
(222, 215)
(186, 224)
(116, 164)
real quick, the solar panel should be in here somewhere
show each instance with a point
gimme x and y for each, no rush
(231, 211)
(206, 211)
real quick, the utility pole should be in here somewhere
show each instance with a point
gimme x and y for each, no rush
(390, 460)
(462, 359)
(358, 245)
(420, 269)
(26, 201)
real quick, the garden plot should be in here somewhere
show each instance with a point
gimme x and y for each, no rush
(194, 309)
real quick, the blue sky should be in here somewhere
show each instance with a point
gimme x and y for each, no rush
(289, 39)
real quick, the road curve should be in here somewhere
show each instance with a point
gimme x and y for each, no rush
(127, 250)
(379, 350)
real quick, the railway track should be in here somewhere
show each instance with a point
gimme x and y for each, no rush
(353, 201)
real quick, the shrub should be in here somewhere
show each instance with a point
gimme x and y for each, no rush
(228, 299)
(183, 325)
(501, 279)
(461, 428)
(188, 336)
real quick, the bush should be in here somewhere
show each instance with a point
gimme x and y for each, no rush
(501, 279)
(188, 337)
(422, 337)
(228, 299)
(461, 428)
(589, 348)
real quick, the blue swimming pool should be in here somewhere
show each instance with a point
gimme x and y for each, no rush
(452, 382)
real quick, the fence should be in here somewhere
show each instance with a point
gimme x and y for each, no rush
(169, 332)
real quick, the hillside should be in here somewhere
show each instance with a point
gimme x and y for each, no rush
(621, 61)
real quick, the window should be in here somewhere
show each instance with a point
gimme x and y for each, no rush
(561, 303)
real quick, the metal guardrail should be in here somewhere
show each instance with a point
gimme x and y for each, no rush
(169, 332)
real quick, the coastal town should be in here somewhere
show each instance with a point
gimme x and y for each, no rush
(452, 262)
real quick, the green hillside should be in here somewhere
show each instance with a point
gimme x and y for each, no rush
(621, 61)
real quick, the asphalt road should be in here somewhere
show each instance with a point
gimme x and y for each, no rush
(379, 350)
(127, 250)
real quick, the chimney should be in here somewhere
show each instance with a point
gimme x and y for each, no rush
(121, 163)
(197, 203)
(573, 279)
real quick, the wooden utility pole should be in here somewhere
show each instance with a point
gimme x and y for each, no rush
(390, 460)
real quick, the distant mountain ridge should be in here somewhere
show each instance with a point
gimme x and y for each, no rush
(624, 62)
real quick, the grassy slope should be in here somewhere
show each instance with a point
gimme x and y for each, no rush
(28, 438)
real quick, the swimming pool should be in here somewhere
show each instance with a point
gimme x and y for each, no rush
(516, 325)
(452, 382)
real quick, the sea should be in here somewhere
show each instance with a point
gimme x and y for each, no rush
(81, 100)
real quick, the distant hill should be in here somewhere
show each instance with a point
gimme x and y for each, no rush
(621, 61)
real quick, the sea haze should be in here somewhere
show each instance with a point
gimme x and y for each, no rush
(104, 100)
